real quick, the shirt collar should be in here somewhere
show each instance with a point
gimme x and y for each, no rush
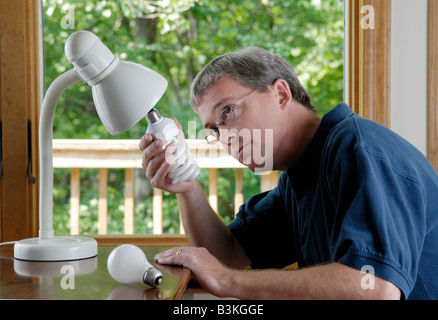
(312, 154)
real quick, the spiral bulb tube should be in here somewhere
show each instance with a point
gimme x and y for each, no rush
(184, 167)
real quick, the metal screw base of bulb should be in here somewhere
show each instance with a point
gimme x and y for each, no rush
(152, 277)
(153, 116)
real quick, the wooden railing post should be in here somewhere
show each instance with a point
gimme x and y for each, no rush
(181, 226)
(75, 191)
(157, 207)
(212, 195)
(238, 193)
(102, 206)
(129, 201)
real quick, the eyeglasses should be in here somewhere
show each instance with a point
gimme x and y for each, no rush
(226, 117)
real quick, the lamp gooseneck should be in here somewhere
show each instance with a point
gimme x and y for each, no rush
(48, 247)
(48, 108)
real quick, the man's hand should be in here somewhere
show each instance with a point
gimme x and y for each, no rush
(156, 166)
(207, 270)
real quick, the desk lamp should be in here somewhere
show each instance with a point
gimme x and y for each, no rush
(123, 93)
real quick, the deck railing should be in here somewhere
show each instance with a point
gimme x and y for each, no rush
(106, 154)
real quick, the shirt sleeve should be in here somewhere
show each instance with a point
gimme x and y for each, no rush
(380, 217)
(262, 228)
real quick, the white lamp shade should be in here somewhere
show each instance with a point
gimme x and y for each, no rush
(126, 95)
(123, 92)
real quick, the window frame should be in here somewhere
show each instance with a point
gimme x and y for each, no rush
(432, 114)
(19, 112)
(368, 89)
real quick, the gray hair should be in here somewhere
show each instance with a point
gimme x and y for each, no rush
(252, 67)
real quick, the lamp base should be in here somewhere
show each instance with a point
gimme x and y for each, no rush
(58, 248)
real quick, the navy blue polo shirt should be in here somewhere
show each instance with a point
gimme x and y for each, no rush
(359, 195)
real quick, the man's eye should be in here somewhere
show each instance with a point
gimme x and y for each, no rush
(228, 110)
(226, 113)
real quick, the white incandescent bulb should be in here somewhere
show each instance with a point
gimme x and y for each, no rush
(128, 264)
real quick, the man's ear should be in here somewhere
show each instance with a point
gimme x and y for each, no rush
(282, 91)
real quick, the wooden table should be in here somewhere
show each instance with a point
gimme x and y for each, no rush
(83, 280)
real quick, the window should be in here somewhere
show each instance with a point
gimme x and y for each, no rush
(177, 38)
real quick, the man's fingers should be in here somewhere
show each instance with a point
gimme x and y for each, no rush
(152, 150)
(145, 141)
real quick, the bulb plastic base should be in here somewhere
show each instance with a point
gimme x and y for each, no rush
(55, 249)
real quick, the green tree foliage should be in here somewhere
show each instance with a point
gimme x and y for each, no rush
(177, 38)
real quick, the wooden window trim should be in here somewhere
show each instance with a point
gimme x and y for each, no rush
(369, 60)
(19, 102)
(432, 116)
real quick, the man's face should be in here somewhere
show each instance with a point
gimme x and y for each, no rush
(250, 136)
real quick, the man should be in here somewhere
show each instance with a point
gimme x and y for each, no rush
(356, 205)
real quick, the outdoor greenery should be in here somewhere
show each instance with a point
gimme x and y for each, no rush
(177, 38)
